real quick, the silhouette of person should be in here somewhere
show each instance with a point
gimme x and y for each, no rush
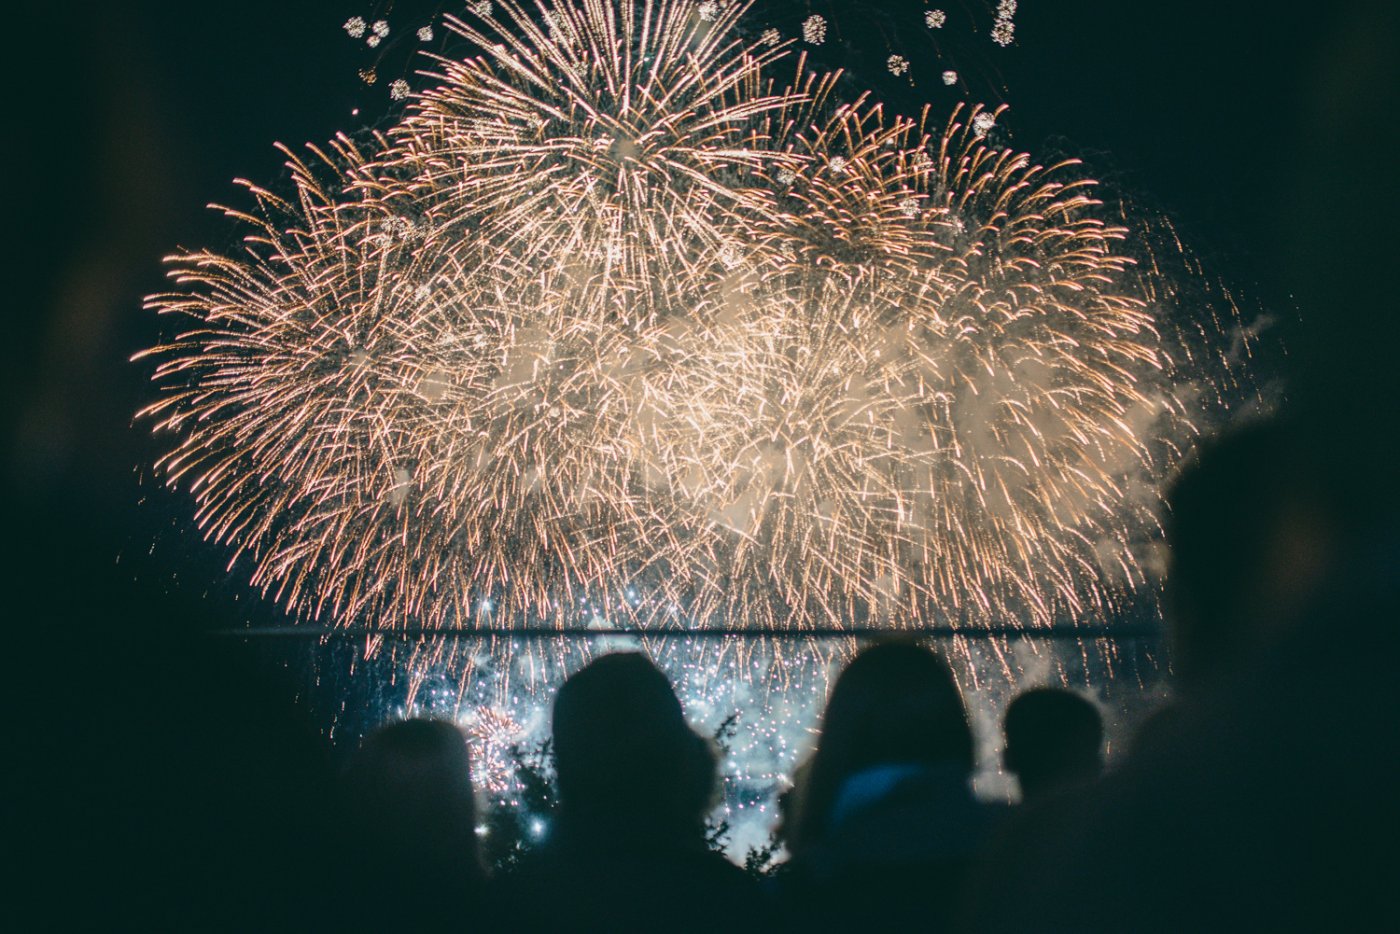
(1054, 740)
(628, 852)
(888, 824)
(408, 795)
(1249, 542)
(1252, 804)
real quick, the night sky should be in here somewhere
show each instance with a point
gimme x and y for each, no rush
(1265, 130)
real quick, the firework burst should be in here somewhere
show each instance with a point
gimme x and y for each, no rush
(491, 735)
(613, 312)
(607, 146)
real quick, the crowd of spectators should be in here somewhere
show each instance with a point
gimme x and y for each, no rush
(1242, 803)
(1251, 800)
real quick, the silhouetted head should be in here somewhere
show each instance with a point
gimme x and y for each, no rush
(629, 766)
(1249, 540)
(896, 703)
(409, 788)
(1054, 739)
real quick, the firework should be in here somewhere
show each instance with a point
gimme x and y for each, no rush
(491, 734)
(616, 327)
(1004, 29)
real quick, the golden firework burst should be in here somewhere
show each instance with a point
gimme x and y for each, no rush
(610, 309)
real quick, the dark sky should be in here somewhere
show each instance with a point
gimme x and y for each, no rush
(1266, 130)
